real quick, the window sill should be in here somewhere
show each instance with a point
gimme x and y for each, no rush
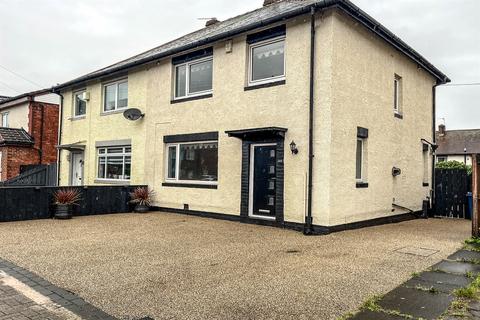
(189, 185)
(425, 184)
(398, 115)
(77, 118)
(362, 185)
(108, 181)
(265, 85)
(107, 113)
(203, 96)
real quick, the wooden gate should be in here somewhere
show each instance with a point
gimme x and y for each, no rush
(451, 187)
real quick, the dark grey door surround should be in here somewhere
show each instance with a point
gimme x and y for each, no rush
(272, 135)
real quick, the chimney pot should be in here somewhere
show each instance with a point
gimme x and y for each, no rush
(441, 129)
(211, 22)
(269, 2)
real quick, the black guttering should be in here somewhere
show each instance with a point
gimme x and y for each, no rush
(309, 219)
(344, 5)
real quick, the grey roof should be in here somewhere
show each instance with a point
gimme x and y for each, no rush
(256, 19)
(24, 95)
(3, 98)
(454, 142)
(15, 137)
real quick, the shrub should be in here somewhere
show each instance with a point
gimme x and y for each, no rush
(68, 196)
(142, 196)
(454, 165)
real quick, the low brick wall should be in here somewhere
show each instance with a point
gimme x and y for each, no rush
(28, 203)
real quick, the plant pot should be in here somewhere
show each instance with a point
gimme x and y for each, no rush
(140, 208)
(63, 211)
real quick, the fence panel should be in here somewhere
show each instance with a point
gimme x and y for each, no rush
(27, 203)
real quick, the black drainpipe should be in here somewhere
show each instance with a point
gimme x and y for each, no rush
(434, 139)
(308, 228)
(60, 124)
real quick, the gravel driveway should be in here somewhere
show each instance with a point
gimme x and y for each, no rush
(170, 266)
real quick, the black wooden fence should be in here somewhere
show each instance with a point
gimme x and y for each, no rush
(34, 175)
(451, 188)
(28, 203)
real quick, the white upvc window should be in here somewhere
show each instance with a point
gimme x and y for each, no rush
(359, 168)
(114, 163)
(193, 78)
(5, 119)
(115, 95)
(397, 94)
(192, 162)
(79, 104)
(266, 61)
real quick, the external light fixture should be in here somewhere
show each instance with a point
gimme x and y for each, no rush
(293, 147)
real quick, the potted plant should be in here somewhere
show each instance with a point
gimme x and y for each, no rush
(64, 199)
(142, 198)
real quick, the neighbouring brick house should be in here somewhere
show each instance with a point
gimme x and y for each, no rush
(28, 131)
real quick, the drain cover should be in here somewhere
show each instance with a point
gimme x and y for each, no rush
(416, 251)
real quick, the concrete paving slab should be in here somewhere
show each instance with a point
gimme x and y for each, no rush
(465, 255)
(443, 282)
(457, 267)
(370, 315)
(417, 251)
(417, 303)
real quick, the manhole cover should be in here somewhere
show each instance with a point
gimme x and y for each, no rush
(417, 251)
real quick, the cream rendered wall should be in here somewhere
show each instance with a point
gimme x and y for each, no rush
(96, 126)
(17, 115)
(363, 72)
(233, 108)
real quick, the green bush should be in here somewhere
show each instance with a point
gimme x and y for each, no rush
(454, 165)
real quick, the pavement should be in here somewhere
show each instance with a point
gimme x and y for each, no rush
(170, 266)
(26, 296)
(430, 295)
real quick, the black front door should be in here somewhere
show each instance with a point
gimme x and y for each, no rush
(263, 180)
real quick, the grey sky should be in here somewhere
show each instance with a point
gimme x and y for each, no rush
(52, 41)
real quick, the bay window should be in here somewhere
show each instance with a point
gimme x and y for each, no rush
(114, 163)
(195, 162)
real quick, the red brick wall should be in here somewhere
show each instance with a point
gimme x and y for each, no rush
(46, 137)
(14, 157)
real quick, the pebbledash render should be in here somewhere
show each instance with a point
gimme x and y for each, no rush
(249, 118)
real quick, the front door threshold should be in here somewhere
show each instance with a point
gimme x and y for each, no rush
(258, 217)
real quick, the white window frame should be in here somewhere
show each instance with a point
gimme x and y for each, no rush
(5, 119)
(397, 87)
(187, 79)
(75, 115)
(251, 47)
(104, 91)
(177, 164)
(362, 162)
(105, 155)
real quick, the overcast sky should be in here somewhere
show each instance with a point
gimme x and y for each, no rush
(52, 41)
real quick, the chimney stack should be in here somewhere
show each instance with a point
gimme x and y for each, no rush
(441, 130)
(269, 2)
(211, 22)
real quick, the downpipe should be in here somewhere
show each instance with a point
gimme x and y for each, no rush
(308, 227)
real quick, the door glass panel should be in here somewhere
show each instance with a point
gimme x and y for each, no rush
(272, 170)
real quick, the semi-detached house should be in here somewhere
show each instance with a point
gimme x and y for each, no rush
(303, 114)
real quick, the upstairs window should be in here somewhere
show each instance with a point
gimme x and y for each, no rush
(267, 56)
(193, 74)
(397, 94)
(5, 120)
(114, 163)
(115, 96)
(79, 104)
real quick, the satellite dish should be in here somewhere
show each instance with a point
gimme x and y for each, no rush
(133, 114)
